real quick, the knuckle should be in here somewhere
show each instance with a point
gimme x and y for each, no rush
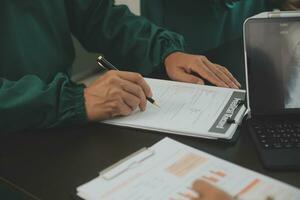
(134, 107)
(203, 57)
(141, 92)
(135, 74)
(116, 93)
(111, 114)
(134, 103)
(112, 80)
(219, 73)
(225, 69)
(143, 100)
(192, 79)
(111, 73)
(199, 62)
(139, 78)
(115, 105)
(137, 101)
(127, 112)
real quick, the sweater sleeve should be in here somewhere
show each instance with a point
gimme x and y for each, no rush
(33, 104)
(131, 42)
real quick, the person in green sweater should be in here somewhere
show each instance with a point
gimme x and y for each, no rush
(211, 24)
(207, 24)
(37, 53)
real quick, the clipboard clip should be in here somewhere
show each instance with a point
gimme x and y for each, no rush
(127, 163)
(230, 120)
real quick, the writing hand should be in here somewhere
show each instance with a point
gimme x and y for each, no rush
(115, 93)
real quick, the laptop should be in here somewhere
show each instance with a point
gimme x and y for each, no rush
(272, 60)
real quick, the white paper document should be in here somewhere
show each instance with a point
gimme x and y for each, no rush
(188, 109)
(167, 170)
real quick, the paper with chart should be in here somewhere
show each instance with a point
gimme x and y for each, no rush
(188, 109)
(170, 172)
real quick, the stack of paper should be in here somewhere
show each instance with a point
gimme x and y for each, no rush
(168, 169)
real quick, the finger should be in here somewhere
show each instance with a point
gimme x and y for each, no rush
(118, 108)
(208, 191)
(138, 79)
(221, 75)
(202, 70)
(227, 72)
(203, 187)
(135, 90)
(124, 109)
(196, 195)
(184, 76)
(132, 101)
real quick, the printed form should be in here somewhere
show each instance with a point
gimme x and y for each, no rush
(187, 109)
(171, 171)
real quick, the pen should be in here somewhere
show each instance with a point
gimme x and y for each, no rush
(108, 66)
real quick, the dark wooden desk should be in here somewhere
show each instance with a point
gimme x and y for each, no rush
(51, 163)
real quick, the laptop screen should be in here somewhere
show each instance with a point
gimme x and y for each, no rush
(273, 60)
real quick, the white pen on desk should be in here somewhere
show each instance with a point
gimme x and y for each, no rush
(127, 163)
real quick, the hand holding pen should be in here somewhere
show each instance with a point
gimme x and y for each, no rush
(115, 93)
(108, 66)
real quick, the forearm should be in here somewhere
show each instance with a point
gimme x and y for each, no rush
(29, 103)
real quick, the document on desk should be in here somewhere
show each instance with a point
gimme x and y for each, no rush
(168, 169)
(189, 109)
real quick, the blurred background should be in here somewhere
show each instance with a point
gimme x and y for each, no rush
(85, 62)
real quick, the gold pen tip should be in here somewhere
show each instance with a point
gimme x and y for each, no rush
(156, 104)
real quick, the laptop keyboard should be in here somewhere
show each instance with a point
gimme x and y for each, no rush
(279, 135)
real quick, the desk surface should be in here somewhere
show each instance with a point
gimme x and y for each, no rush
(50, 164)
